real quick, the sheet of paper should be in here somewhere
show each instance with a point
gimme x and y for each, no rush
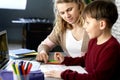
(49, 67)
(35, 65)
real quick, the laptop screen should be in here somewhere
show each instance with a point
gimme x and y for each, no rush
(4, 56)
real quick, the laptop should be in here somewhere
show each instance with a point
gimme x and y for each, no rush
(5, 61)
(4, 52)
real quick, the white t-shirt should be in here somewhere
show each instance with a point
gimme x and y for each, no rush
(72, 45)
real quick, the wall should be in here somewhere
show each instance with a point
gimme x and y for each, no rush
(116, 27)
(35, 8)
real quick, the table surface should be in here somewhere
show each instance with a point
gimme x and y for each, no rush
(47, 67)
(33, 59)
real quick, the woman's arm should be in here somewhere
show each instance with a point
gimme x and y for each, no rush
(46, 45)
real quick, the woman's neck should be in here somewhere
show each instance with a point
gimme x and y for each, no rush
(78, 32)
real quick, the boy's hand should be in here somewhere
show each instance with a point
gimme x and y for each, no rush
(59, 57)
(54, 73)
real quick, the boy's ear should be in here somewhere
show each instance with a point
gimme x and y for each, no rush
(102, 24)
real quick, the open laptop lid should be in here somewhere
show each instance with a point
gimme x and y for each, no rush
(4, 52)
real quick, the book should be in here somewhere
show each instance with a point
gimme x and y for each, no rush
(21, 51)
(18, 53)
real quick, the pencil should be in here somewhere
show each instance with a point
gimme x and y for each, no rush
(14, 68)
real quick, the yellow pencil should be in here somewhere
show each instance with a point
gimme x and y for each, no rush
(17, 71)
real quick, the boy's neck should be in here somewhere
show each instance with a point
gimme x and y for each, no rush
(103, 38)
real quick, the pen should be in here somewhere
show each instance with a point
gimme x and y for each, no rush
(20, 71)
(23, 69)
(24, 64)
(21, 62)
(29, 68)
(17, 71)
(53, 62)
(14, 68)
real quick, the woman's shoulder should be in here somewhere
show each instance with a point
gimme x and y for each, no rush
(55, 36)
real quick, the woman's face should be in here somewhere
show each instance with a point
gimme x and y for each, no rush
(69, 12)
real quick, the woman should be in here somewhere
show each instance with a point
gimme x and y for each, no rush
(68, 31)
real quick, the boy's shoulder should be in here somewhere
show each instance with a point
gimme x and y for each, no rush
(111, 41)
(114, 42)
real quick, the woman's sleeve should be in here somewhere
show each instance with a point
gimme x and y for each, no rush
(49, 43)
(46, 45)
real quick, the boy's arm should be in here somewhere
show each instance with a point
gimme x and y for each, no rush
(74, 61)
(107, 67)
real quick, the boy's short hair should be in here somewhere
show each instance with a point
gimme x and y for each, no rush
(100, 9)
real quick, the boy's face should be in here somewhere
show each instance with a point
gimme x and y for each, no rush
(92, 27)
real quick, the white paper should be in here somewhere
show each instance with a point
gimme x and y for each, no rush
(49, 67)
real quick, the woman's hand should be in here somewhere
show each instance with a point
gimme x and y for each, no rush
(59, 57)
(54, 73)
(42, 56)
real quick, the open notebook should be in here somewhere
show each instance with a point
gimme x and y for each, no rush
(5, 62)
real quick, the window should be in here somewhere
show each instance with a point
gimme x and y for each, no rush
(13, 4)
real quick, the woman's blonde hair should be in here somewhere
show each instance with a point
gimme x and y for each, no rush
(59, 23)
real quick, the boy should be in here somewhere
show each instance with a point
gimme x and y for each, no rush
(102, 58)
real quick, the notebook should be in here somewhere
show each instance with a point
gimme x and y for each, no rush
(5, 61)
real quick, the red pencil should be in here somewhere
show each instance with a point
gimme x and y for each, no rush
(29, 68)
(23, 70)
